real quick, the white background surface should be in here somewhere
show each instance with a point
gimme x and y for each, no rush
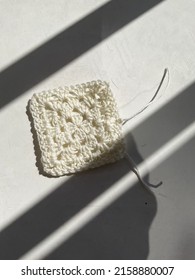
(132, 59)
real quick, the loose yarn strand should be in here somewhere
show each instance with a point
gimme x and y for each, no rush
(133, 165)
(134, 168)
(166, 72)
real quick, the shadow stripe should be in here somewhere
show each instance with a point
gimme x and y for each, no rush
(55, 209)
(68, 45)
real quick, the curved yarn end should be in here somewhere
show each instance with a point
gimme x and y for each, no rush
(134, 168)
(166, 73)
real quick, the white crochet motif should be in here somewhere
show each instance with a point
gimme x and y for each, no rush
(78, 127)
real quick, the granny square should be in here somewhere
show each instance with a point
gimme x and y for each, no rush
(77, 127)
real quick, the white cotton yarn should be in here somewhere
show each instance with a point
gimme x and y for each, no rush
(78, 127)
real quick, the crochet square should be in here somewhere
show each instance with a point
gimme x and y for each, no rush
(78, 127)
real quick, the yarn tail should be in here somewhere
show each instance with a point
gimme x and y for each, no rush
(166, 72)
(134, 168)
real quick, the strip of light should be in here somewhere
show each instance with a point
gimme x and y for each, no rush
(78, 221)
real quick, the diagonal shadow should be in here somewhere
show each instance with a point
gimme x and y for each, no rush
(124, 222)
(68, 45)
(121, 230)
(72, 196)
(166, 123)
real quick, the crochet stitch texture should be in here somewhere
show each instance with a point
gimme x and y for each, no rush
(78, 127)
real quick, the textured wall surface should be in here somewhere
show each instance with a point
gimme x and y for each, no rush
(102, 213)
